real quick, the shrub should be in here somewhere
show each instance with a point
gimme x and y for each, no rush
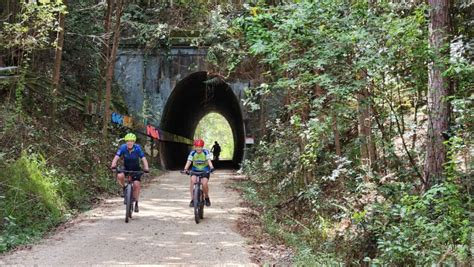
(31, 203)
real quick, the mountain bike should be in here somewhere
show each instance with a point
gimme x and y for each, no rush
(128, 192)
(198, 194)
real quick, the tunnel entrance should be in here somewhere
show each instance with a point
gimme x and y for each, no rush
(189, 102)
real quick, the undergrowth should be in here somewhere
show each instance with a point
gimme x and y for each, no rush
(32, 201)
(379, 223)
(48, 174)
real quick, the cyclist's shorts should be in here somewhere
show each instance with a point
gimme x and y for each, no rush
(135, 176)
(206, 176)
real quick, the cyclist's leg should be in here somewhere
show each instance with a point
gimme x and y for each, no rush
(191, 185)
(205, 189)
(121, 179)
(136, 189)
(136, 186)
(205, 186)
(192, 180)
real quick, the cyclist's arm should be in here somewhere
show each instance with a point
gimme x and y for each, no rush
(209, 161)
(188, 164)
(141, 154)
(145, 164)
(114, 161)
(210, 164)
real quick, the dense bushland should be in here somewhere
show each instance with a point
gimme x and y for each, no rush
(47, 175)
(338, 171)
(53, 164)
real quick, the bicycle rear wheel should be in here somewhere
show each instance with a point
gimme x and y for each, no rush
(128, 202)
(196, 199)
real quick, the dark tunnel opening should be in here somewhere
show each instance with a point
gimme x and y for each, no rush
(189, 102)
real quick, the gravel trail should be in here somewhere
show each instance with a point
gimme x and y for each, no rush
(163, 233)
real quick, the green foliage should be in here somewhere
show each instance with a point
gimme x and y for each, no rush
(32, 202)
(143, 27)
(224, 55)
(30, 31)
(82, 46)
(36, 192)
(32, 27)
(320, 56)
(425, 229)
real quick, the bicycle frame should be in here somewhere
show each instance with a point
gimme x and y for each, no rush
(198, 195)
(128, 192)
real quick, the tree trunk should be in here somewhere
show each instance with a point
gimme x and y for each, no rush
(111, 64)
(367, 145)
(438, 92)
(105, 53)
(319, 91)
(362, 127)
(57, 63)
(416, 102)
(13, 8)
(372, 147)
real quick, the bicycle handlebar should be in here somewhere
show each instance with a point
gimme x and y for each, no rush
(197, 173)
(125, 171)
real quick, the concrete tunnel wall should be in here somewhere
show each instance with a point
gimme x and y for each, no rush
(188, 103)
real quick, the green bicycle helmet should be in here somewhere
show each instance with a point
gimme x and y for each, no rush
(130, 137)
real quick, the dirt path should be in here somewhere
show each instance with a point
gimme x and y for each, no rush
(162, 233)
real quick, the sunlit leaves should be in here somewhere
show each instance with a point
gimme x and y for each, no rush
(320, 55)
(32, 27)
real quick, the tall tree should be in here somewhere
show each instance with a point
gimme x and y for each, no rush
(367, 145)
(438, 92)
(57, 60)
(105, 52)
(111, 64)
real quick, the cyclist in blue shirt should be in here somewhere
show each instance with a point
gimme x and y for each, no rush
(131, 154)
(201, 161)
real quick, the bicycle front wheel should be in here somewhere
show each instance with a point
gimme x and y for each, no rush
(201, 205)
(196, 200)
(128, 202)
(201, 211)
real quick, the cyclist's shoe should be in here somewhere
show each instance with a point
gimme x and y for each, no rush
(136, 206)
(208, 202)
(191, 204)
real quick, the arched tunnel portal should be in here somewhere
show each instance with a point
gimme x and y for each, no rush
(189, 102)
